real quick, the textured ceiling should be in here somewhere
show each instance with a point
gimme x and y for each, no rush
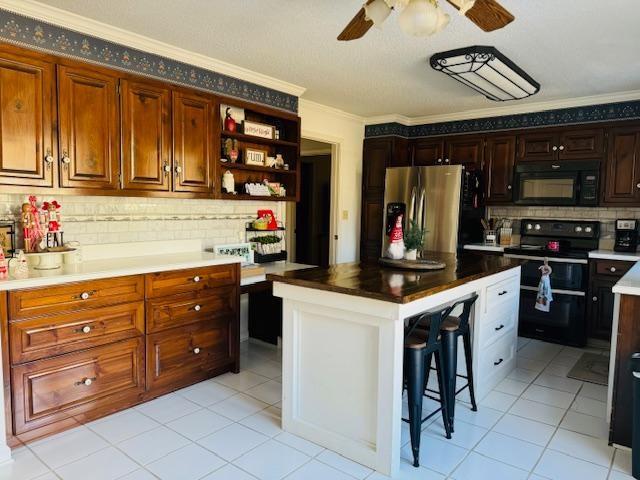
(573, 48)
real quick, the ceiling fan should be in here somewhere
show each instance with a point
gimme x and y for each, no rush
(425, 17)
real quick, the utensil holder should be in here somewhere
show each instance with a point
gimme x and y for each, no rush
(490, 237)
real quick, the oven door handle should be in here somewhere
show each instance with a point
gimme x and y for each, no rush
(553, 259)
(553, 290)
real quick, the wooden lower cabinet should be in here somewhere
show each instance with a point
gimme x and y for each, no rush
(182, 356)
(79, 351)
(78, 386)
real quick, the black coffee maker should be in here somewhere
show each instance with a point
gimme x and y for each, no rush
(626, 236)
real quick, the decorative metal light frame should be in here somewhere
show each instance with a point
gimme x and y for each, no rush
(487, 71)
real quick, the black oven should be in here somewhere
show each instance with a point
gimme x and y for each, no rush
(573, 183)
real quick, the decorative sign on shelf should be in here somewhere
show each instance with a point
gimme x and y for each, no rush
(243, 250)
(254, 156)
(258, 129)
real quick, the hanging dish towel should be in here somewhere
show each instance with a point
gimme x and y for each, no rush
(544, 297)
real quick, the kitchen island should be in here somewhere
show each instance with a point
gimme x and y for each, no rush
(343, 329)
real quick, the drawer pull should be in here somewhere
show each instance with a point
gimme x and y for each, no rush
(197, 308)
(504, 292)
(85, 329)
(196, 350)
(498, 362)
(86, 295)
(497, 329)
(196, 279)
(612, 269)
(594, 298)
(86, 382)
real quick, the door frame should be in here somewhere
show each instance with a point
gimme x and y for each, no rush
(335, 143)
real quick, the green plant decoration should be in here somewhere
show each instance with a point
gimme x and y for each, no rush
(414, 237)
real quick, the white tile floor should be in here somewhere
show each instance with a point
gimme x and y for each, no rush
(537, 424)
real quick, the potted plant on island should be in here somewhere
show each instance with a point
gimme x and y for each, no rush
(413, 240)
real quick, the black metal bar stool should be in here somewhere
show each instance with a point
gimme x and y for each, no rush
(418, 345)
(451, 328)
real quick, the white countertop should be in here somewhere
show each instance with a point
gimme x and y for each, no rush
(611, 255)
(484, 248)
(116, 267)
(630, 283)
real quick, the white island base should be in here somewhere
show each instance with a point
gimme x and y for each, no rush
(343, 355)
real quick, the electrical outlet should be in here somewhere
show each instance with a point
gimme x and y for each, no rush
(345, 214)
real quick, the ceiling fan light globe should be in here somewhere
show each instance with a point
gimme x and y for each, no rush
(443, 20)
(419, 18)
(377, 11)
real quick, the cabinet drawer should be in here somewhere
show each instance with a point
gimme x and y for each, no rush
(191, 307)
(77, 384)
(498, 324)
(42, 337)
(173, 282)
(499, 358)
(75, 296)
(615, 268)
(185, 355)
(502, 292)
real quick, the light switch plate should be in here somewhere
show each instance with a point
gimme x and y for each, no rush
(345, 214)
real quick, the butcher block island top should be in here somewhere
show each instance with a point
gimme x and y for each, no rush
(372, 280)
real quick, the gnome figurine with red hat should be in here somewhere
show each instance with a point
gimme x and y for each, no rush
(396, 240)
(54, 223)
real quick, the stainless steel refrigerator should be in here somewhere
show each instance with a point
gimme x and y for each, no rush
(445, 200)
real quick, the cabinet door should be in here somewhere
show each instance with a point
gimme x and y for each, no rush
(428, 152)
(192, 140)
(376, 157)
(371, 228)
(601, 307)
(146, 136)
(500, 155)
(27, 89)
(622, 175)
(88, 128)
(467, 151)
(581, 144)
(539, 146)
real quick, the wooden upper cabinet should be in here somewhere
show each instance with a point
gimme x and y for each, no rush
(146, 135)
(427, 151)
(499, 159)
(466, 150)
(622, 167)
(538, 146)
(27, 110)
(565, 144)
(581, 144)
(376, 156)
(193, 117)
(88, 128)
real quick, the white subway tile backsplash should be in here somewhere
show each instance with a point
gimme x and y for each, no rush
(96, 220)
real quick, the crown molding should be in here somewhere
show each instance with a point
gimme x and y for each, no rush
(506, 110)
(84, 25)
(304, 103)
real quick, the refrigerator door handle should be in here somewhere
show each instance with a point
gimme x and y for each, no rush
(412, 206)
(422, 209)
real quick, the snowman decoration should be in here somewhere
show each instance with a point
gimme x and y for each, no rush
(396, 240)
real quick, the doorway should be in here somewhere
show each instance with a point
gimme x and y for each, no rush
(312, 229)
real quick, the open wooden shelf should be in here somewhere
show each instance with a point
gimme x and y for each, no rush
(255, 168)
(244, 196)
(253, 139)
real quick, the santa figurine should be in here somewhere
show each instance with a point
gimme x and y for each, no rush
(32, 226)
(396, 240)
(53, 222)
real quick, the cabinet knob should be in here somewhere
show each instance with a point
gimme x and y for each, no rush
(167, 169)
(554, 148)
(509, 187)
(638, 185)
(86, 382)
(197, 308)
(85, 295)
(196, 279)
(48, 158)
(561, 147)
(65, 158)
(612, 269)
(178, 169)
(439, 160)
(196, 350)
(594, 298)
(86, 329)
(446, 160)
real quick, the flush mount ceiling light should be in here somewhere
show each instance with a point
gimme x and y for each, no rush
(487, 71)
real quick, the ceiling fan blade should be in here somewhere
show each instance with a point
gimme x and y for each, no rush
(357, 27)
(489, 15)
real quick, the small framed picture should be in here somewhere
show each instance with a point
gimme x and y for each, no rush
(7, 238)
(258, 129)
(253, 156)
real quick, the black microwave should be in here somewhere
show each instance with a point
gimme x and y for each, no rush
(562, 183)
